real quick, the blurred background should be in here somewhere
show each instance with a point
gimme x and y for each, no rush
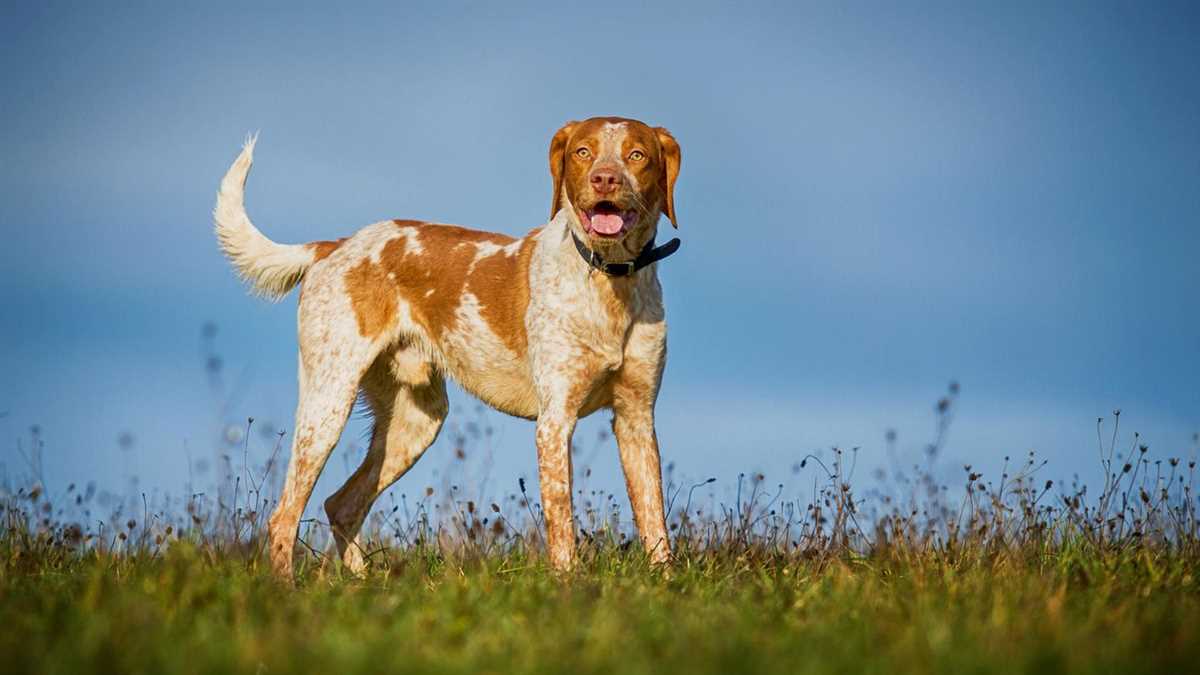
(875, 201)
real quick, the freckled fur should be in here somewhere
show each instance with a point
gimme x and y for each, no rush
(322, 249)
(524, 324)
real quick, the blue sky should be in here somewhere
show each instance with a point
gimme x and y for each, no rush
(874, 200)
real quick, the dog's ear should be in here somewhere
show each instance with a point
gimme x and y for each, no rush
(558, 147)
(670, 160)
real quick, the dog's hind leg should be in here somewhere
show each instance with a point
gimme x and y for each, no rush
(331, 367)
(408, 400)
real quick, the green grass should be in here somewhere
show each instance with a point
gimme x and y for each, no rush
(1005, 574)
(189, 611)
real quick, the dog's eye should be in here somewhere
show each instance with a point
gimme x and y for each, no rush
(583, 153)
(637, 156)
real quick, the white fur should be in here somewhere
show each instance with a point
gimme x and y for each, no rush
(269, 268)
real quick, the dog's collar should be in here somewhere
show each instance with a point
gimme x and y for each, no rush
(650, 254)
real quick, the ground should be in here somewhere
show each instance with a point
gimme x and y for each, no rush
(188, 610)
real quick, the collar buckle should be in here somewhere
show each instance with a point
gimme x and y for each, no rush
(620, 269)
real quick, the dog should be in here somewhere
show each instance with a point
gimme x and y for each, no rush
(551, 327)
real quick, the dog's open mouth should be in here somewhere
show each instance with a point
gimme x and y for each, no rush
(606, 219)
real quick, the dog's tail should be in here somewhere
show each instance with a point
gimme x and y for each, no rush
(271, 269)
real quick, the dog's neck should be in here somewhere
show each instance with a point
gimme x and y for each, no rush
(619, 294)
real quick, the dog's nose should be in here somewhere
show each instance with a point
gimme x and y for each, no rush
(605, 180)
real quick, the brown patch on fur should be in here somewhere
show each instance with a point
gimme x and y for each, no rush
(671, 158)
(501, 282)
(558, 149)
(322, 249)
(372, 296)
(432, 281)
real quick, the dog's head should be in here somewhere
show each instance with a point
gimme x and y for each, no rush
(615, 176)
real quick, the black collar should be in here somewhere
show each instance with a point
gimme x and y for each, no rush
(650, 254)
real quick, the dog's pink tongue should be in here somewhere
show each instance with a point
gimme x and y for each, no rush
(607, 224)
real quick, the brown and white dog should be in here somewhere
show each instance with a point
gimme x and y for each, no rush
(538, 327)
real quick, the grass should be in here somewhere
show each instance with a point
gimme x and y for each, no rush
(1015, 574)
(187, 612)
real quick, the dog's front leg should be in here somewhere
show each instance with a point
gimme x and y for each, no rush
(635, 390)
(633, 425)
(554, 429)
(562, 392)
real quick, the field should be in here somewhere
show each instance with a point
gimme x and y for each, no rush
(185, 612)
(1018, 574)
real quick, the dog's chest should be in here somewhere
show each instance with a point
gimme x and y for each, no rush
(582, 314)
